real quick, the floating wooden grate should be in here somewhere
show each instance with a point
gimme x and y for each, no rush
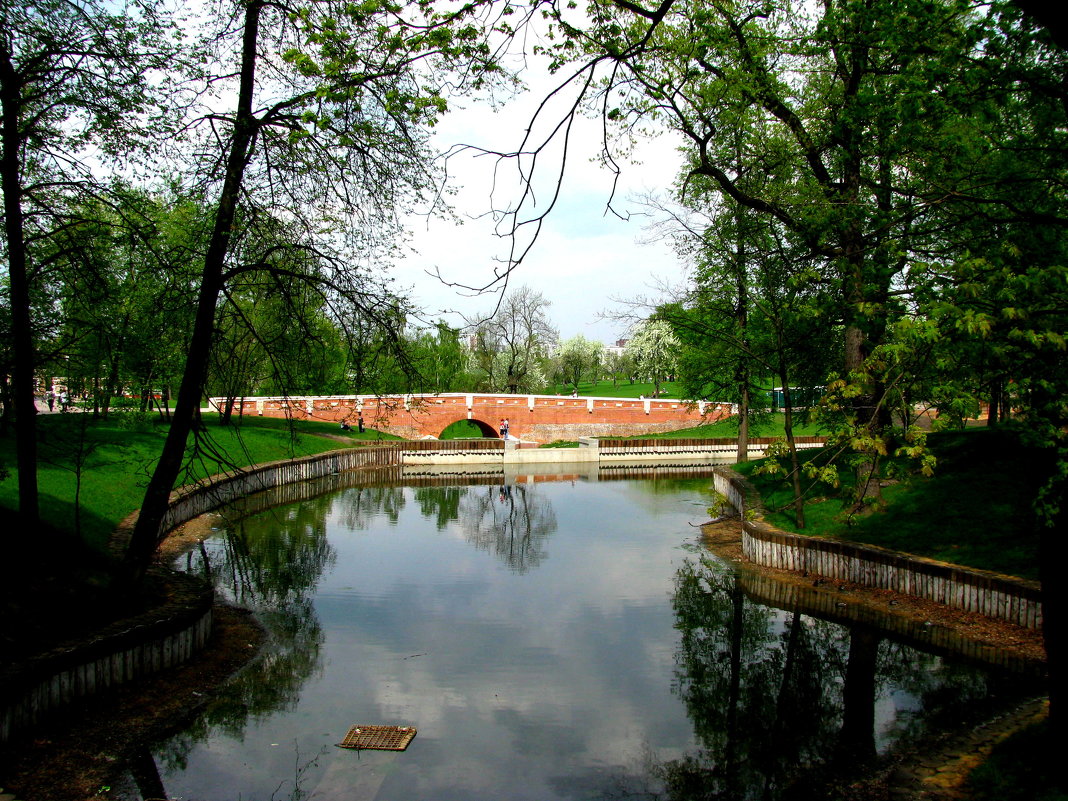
(383, 738)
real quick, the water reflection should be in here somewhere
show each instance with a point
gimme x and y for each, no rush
(624, 667)
(772, 695)
(513, 523)
(270, 563)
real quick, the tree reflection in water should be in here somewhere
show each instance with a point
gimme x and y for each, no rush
(772, 696)
(769, 694)
(269, 562)
(511, 522)
(358, 506)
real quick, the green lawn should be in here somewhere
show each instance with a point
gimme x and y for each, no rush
(975, 510)
(113, 459)
(620, 389)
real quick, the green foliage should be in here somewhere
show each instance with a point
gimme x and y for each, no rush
(461, 429)
(576, 360)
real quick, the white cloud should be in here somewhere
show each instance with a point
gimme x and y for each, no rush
(585, 255)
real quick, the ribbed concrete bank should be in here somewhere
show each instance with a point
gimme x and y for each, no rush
(996, 596)
(941, 640)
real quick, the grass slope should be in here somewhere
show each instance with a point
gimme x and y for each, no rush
(770, 426)
(112, 460)
(975, 511)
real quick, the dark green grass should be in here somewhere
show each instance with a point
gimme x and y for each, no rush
(114, 458)
(771, 426)
(462, 429)
(975, 511)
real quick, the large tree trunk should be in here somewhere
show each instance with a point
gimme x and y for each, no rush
(147, 531)
(22, 380)
(741, 322)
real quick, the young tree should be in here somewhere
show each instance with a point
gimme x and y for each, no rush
(511, 344)
(578, 359)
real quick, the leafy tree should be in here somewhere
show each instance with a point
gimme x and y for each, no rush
(654, 349)
(579, 359)
(618, 366)
(77, 83)
(440, 359)
(333, 129)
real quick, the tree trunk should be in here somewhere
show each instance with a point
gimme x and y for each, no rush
(791, 443)
(1053, 551)
(19, 288)
(147, 531)
(741, 322)
(743, 424)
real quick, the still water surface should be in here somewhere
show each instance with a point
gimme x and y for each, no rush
(558, 639)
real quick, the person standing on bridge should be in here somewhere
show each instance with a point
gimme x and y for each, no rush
(504, 428)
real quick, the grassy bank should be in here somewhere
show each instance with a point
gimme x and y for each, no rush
(771, 426)
(975, 510)
(105, 464)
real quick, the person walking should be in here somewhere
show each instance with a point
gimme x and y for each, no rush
(504, 428)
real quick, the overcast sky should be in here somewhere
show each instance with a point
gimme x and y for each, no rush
(584, 257)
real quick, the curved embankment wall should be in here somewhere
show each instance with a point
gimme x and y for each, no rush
(1002, 597)
(167, 634)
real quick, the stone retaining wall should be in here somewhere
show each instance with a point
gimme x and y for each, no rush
(159, 638)
(996, 596)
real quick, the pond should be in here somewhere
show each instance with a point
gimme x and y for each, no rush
(549, 637)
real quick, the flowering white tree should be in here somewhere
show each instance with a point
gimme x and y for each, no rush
(579, 358)
(654, 349)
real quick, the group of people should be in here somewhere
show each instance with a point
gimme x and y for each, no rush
(504, 428)
(51, 397)
(359, 424)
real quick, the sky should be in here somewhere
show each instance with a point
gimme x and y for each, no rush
(585, 259)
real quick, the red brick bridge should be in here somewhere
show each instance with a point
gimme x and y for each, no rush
(534, 418)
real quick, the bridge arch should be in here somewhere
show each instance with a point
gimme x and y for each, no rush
(487, 430)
